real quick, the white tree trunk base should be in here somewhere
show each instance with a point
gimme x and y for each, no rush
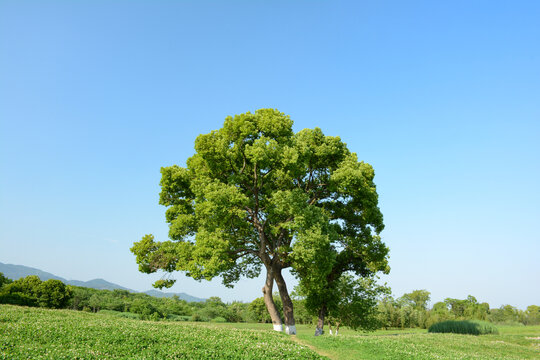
(331, 332)
(290, 329)
(278, 327)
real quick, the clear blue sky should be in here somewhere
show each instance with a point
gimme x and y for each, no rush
(441, 97)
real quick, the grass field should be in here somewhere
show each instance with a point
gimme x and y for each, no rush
(56, 334)
(64, 334)
(510, 344)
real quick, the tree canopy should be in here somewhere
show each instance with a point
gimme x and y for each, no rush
(255, 194)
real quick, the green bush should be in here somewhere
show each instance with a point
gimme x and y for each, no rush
(125, 315)
(108, 312)
(510, 323)
(173, 317)
(218, 319)
(197, 317)
(463, 327)
(53, 294)
(17, 298)
(128, 315)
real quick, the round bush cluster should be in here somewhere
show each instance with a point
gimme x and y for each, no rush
(470, 327)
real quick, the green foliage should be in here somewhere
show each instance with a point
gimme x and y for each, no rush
(17, 298)
(258, 310)
(418, 299)
(120, 314)
(356, 303)
(470, 327)
(406, 312)
(413, 309)
(213, 308)
(141, 305)
(145, 309)
(4, 280)
(173, 317)
(31, 291)
(532, 315)
(506, 314)
(23, 291)
(301, 314)
(53, 294)
(255, 193)
(197, 317)
(388, 312)
(218, 319)
(238, 312)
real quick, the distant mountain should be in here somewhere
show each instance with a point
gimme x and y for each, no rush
(99, 284)
(182, 296)
(15, 272)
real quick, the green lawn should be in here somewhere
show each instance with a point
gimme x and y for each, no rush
(64, 334)
(512, 343)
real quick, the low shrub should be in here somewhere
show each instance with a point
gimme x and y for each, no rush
(509, 323)
(17, 298)
(128, 315)
(198, 317)
(218, 319)
(471, 327)
(125, 315)
(173, 317)
(108, 312)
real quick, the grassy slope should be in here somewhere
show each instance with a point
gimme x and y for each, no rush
(511, 343)
(64, 334)
(39, 333)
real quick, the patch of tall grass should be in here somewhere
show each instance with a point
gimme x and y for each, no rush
(125, 315)
(471, 327)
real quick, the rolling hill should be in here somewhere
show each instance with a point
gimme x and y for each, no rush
(15, 272)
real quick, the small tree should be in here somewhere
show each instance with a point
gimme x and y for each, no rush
(53, 293)
(356, 303)
(388, 312)
(4, 280)
(258, 311)
(237, 312)
(418, 299)
(532, 315)
(22, 291)
(457, 307)
(213, 308)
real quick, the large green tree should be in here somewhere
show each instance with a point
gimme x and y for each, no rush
(257, 195)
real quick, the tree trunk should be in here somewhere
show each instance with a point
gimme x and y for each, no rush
(288, 312)
(320, 321)
(337, 328)
(269, 300)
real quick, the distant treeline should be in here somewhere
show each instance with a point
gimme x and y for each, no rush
(410, 310)
(31, 291)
